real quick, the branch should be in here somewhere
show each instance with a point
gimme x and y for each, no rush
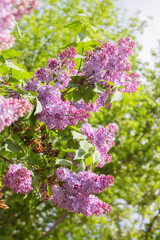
(55, 224)
(151, 225)
(19, 161)
(5, 159)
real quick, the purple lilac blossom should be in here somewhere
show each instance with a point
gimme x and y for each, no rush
(11, 109)
(109, 62)
(102, 138)
(18, 179)
(74, 194)
(10, 12)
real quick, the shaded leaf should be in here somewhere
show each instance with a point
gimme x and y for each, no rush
(63, 162)
(38, 107)
(81, 167)
(82, 38)
(12, 147)
(98, 88)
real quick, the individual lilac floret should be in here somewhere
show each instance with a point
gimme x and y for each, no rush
(102, 138)
(18, 179)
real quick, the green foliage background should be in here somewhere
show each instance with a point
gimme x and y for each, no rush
(135, 161)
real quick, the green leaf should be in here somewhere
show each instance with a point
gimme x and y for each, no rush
(65, 139)
(49, 190)
(36, 179)
(93, 28)
(12, 147)
(17, 198)
(12, 65)
(74, 128)
(27, 75)
(11, 53)
(82, 38)
(79, 154)
(38, 107)
(98, 88)
(33, 203)
(81, 167)
(110, 83)
(63, 162)
(85, 145)
(2, 59)
(13, 80)
(68, 150)
(74, 25)
(4, 70)
(117, 96)
(79, 136)
(33, 118)
(96, 156)
(77, 95)
(94, 98)
(89, 160)
(88, 94)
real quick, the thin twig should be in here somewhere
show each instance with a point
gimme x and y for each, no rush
(55, 224)
(5, 159)
(13, 161)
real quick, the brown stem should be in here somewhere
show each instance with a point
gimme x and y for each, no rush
(12, 161)
(5, 159)
(55, 224)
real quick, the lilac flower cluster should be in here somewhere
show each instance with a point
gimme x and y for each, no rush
(11, 11)
(18, 179)
(75, 192)
(109, 63)
(57, 112)
(59, 71)
(11, 109)
(102, 138)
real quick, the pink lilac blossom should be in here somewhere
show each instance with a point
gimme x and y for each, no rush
(58, 71)
(18, 179)
(55, 112)
(10, 12)
(79, 203)
(84, 182)
(74, 194)
(109, 62)
(58, 113)
(11, 109)
(102, 138)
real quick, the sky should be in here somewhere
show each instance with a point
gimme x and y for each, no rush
(149, 39)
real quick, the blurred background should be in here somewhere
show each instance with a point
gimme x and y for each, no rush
(135, 165)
